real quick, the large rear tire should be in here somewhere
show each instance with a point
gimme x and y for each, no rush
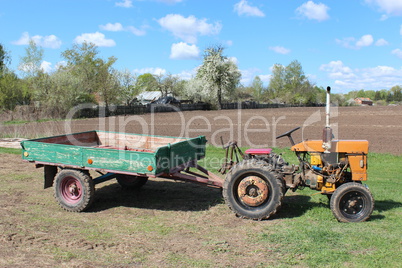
(74, 190)
(352, 202)
(252, 191)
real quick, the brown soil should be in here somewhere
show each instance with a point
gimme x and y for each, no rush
(381, 126)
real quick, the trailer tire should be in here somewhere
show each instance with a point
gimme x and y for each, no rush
(74, 189)
(131, 182)
(252, 191)
(352, 202)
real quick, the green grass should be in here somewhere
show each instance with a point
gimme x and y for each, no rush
(9, 151)
(21, 122)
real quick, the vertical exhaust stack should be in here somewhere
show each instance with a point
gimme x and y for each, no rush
(327, 131)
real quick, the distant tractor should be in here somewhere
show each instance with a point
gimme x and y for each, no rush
(254, 188)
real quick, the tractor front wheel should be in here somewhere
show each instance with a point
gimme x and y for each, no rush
(252, 191)
(352, 202)
(74, 189)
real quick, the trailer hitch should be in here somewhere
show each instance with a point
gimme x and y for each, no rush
(232, 156)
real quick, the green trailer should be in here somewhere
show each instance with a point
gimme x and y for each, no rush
(130, 158)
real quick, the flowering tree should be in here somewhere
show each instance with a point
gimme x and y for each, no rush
(220, 75)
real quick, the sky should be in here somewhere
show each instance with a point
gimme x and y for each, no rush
(345, 44)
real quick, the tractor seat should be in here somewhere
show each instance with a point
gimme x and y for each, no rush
(259, 151)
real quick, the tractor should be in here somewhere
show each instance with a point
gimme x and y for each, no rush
(255, 186)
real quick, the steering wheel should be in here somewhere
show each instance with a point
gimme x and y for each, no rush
(287, 133)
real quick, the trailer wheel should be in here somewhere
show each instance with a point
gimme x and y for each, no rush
(74, 190)
(352, 202)
(131, 182)
(252, 191)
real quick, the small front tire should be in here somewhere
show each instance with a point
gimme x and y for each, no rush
(352, 202)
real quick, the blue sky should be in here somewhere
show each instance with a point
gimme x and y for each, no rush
(347, 44)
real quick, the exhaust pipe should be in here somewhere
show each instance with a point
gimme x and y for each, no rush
(327, 131)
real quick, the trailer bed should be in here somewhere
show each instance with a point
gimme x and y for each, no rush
(114, 152)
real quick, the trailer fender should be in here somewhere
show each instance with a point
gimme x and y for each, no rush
(49, 174)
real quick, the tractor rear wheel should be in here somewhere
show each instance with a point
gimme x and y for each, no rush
(352, 202)
(131, 182)
(74, 189)
(252, 191)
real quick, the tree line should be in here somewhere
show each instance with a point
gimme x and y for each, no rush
(86, 77)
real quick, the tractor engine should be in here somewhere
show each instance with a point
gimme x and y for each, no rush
(324, 170)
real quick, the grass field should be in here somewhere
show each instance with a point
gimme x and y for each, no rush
(174, 224)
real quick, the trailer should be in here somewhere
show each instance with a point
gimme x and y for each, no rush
(130, 158)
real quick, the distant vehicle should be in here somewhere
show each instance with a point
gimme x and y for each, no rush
(167, 100)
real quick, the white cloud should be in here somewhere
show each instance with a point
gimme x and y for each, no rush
(125, 4)
(381, 42)
(188, 28)
(313, 11)
(390, 7)
(364, 41)
(118, 27)
(337, 70)
(280, 50)
(46, 66)
(243, 8)
(375, 78)
(397, 52)
(112, 27)
(49, 41)
(60, 64)
(96, 38)
(135, 31)
(151, 70)
(183, 51)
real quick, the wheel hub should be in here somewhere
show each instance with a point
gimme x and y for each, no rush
(352, 203)
(73, 189)
(253, 191)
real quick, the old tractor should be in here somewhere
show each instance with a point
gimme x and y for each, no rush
(255, 186)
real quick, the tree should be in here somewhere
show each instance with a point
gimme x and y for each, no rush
(277, 81)
(147, 82)
(396, 92)
(290, 84)
(128, 85)
(95, 73)
(219, 74)
(258, 88)
(4, 59)
(167, 84)
(107, 83)
(12, 91)
(30, 64)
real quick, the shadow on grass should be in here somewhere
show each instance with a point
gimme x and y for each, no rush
(297, 205)
(160, 195)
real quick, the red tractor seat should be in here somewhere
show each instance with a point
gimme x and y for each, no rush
(259, 151)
